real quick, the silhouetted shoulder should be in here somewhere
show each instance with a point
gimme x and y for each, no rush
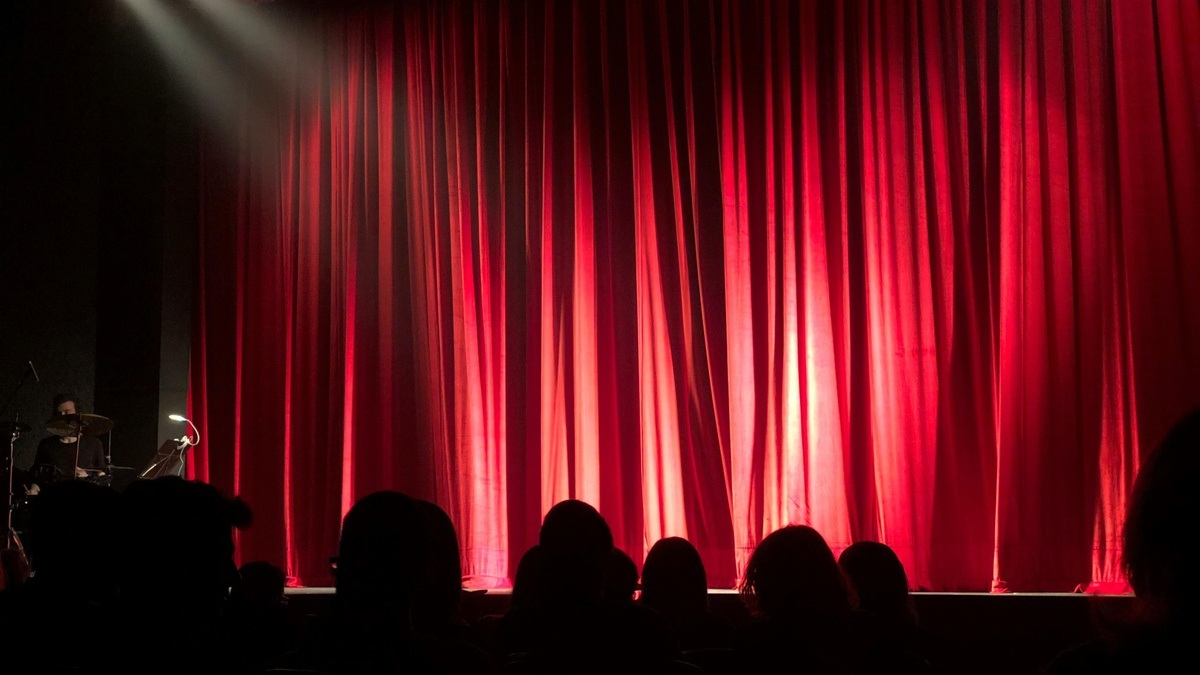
(1160, 555)
(1174, 651)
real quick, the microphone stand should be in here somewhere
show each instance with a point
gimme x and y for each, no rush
(11, 540)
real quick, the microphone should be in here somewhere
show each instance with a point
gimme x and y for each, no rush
(34, 371)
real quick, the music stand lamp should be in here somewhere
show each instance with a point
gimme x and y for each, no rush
(170, 458)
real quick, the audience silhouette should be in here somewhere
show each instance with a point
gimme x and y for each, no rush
(132, 580)
(620, 577)
(60, 620)
(437, 599)
(564, 623)
(1161, 556)
(493, 628)
(886, 626)
(259, 627)
(675, 584)
(801, 603)
(382, 566)
(526, 585)
(175, 568)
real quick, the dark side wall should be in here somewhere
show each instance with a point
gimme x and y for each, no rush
(95, 225)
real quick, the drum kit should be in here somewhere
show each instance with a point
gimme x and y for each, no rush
(77, 426)
(73, 426)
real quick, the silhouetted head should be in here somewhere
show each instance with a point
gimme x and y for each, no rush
(879, 580)
(177, 552)
(620, 577)
(527, 584)
(70, 537)
(436, 602)
(792, 573)
(382, 554)
(673, 579)
(574, 543)
(260, 585)
(1161, 540)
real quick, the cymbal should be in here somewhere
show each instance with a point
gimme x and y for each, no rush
(88, 425)
(10, 428)
(64, 425)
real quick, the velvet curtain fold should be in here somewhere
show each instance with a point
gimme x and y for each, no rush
(912, 272)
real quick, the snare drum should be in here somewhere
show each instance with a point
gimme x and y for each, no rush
(105, 480)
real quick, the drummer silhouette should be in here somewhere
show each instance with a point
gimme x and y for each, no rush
(73, 450)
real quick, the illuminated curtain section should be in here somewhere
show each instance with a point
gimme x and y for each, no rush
(456, 230)
(907, 272)
(911, 272)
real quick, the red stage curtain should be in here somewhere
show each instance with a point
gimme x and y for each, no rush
(913, 272)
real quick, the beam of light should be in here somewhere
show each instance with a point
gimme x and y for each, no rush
(238, 64)
(275, 46)
(206, 79)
